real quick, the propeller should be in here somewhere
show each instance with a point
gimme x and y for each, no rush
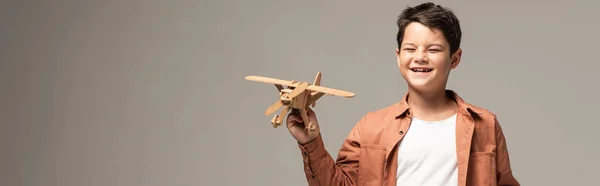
(274, 107)
(280, 102)
(299, 89)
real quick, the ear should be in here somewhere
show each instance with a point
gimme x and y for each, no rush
(455, 59)
(398, 56)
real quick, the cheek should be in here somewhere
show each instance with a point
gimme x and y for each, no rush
(442, 63)
(404, 61)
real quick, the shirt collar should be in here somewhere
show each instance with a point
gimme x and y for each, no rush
(403, 109)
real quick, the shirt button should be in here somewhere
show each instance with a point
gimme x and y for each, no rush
(401, 132)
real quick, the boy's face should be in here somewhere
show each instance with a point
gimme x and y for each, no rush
(424, 58)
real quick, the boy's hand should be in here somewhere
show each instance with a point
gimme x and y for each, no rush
(297, 127)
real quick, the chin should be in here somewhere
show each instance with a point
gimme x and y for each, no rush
(419, 83)
(421, 86)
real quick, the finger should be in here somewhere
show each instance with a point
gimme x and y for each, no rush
(294, 113)
(294, 119)
(295, 125)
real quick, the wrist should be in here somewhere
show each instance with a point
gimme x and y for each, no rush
(310, 139)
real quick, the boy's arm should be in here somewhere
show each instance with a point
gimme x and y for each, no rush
(320, 168)
(504, 172)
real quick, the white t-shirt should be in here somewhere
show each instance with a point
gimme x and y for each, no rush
(427, 154)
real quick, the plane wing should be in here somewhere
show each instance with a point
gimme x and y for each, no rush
(328, 91)
(271, 81)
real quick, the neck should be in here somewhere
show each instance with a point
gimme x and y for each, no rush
(432, 105)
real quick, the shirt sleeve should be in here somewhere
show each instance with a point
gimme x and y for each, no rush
(321, 169)
(504, 173)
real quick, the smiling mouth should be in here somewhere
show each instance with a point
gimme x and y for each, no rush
(421, 69)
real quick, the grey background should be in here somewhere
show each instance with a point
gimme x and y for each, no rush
(126, 93)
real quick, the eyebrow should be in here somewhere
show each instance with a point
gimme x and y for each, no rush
(439, 45)
(412, 44)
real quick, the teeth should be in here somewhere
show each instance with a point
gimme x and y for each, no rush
(421, 70)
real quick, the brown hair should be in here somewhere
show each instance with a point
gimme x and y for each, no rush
(434, 16)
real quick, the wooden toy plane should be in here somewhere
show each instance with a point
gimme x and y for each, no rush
(298, 95)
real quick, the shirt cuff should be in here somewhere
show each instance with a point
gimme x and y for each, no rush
(314, 150)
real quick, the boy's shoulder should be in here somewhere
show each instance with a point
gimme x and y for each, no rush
(484, 117)
(387, 112)
(480, 110)
(390, 110)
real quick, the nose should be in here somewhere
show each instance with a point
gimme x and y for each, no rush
(420, 57)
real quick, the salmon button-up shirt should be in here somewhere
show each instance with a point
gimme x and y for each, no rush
(368, 155)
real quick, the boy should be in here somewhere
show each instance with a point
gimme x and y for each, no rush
(430, 137)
